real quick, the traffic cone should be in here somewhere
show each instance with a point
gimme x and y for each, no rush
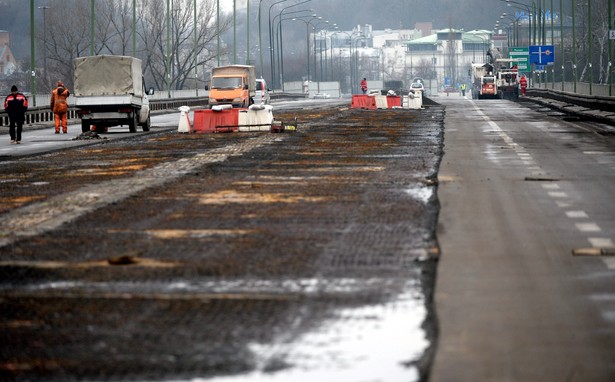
(184, 120)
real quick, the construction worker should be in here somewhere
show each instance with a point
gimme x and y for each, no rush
(523, 84)
(59, 106)
(463, 89)
(15, 105)
(364, 85)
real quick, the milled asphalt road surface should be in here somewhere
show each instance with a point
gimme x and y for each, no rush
(247, 256)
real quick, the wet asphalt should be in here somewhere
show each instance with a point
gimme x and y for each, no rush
(245, 256)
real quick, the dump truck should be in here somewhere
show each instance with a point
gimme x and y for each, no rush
(232, 85)
(110, 91)
(483, 81)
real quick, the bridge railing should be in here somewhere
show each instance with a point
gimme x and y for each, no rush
(596, 101)
(158, 101)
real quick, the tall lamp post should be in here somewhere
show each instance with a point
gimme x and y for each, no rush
(354, 70)
(307, 39)
(271, 42)
(274, 27)
(32, 60)
(44, 8)
(134, 28)
(590, 41)
(92, 28)
(168, 58)
(281, 43)
(314, 33)
(510, 3)
(574, 49)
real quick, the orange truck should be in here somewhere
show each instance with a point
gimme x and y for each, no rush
(232, 85)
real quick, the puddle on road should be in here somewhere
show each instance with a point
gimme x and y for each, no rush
(371, 343)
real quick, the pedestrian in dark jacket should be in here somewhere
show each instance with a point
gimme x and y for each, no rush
(16, 104)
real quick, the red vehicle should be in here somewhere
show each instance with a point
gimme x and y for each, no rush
(488, 87)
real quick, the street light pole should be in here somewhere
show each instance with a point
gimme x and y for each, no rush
(218, 30)
(134, 28)
(234, 32)
(561, 41)
(196, 43)
(45, 8)
(92, 28)
(529, 17)
(610, 55)
(590, 40)
(248, 33)
(279, 15)
(271, 42)
(168, 58)
(574, 49)
(552, 43)
(32, 58)
(260, 37)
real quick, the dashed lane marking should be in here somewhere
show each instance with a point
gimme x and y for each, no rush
(558, 194)
(603, 247)
(588, 227)
(577, 214)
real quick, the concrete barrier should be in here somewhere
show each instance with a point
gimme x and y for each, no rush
(211, 121)
(256, 118)
(363, 101)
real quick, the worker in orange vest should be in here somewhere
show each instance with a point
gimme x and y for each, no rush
(523, 84)
(364, 85)
(59, 106)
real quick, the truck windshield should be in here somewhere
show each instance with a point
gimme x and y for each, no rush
(226, 83)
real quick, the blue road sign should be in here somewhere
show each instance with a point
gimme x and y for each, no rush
(541, 54)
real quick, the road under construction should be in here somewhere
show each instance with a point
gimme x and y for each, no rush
(388, 245)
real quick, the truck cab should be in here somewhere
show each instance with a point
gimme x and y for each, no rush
(232, 85)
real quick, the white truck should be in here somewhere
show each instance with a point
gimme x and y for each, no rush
(110, 91)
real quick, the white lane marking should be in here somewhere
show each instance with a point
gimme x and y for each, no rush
(551, 186)
(588, 227)
(601, 242)
(577, 214)
(564, 204)
(558, 194)
(609, 262)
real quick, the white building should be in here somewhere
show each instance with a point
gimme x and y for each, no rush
(441, 58)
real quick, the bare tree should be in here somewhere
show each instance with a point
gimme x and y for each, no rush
(66, 40)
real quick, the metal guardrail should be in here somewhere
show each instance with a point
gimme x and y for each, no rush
(603, 103)
(42, 114)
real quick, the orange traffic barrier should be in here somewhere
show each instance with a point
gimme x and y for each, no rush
(211, 121)
(363, 101)
(393, 101)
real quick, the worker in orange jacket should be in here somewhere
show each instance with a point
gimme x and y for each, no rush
(59, 106)
(523, 84)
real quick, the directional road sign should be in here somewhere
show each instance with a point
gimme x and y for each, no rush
(521, 54)
(541, 54)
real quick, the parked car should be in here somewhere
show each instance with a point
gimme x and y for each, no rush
(262, 93)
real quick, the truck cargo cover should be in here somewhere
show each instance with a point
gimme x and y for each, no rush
(108, 75)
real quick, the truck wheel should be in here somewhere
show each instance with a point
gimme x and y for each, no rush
(85, 126)
(146, 126)
(132, 125)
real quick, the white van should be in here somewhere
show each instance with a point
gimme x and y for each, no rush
(262, 93)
